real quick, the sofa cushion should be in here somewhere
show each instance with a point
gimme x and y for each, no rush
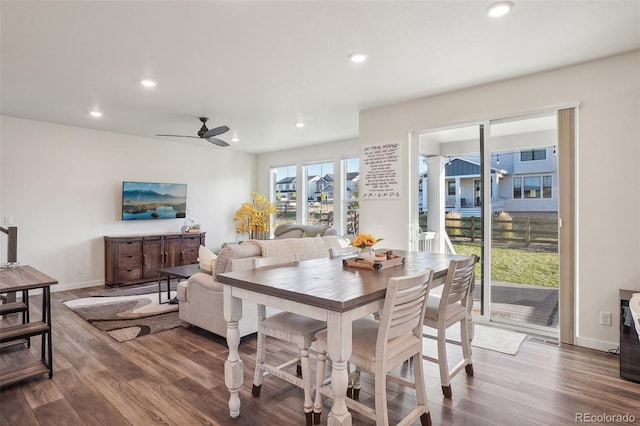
(292, 233)
(306, 248)
(206, 259)
(200, 278)
(297, 230)
(335, 242)
(235, 251)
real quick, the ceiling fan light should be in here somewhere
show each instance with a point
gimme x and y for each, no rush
(357, 58)
(499, 9)
(299, 124)
(95, 113)
(235, 139)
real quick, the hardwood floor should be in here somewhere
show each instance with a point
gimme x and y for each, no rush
(176, 377)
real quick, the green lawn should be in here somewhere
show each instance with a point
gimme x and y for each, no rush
(518, 265)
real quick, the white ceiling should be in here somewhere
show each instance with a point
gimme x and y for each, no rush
(260, 66)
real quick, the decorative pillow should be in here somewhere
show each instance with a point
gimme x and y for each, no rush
(293, 233)
(206, 258)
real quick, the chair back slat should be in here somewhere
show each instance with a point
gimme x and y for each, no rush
(459, 280)
(404, 307)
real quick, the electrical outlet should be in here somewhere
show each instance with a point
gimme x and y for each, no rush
(78, 270)
(605, 318)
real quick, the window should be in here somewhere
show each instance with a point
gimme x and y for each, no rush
(533, 154)
(284, 194)
(351, 202)
(546, 187)
(517, 187)
(451, 187)
(529, 187)
(320, 187)
(532, 187)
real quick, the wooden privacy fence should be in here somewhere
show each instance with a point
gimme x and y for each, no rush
(523, 231)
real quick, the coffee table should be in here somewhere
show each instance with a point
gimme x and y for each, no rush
(184, 272)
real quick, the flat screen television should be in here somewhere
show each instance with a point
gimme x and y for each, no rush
(151, 200)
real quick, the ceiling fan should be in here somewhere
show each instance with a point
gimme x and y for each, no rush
(205, 133)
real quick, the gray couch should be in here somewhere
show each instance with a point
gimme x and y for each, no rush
(296, 230)
(200, 297)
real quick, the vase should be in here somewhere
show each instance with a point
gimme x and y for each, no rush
(367, 253)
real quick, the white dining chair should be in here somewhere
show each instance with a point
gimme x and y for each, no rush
(291, 328)
(447, 309)
(381, 346)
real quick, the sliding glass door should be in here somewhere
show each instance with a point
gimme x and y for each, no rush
(491, 189)
(524, 259)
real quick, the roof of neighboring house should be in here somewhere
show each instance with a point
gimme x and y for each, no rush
(352, 175)
(328, 188)
(464, 167)
(286, 180)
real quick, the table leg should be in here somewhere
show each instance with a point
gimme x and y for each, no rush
(339, 349)
(168, 288)
(159, 290)
(233, 366)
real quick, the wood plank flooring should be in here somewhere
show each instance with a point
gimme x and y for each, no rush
(176, 378)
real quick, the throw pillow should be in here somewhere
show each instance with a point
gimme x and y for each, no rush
(206, 258)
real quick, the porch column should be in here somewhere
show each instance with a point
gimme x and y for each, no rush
(436, 196)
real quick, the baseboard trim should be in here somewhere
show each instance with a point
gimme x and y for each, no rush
(598, 345)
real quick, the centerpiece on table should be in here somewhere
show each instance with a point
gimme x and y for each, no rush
(365, 243)
(254, 218)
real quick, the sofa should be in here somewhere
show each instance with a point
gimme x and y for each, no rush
(200, 297)
(296, 230)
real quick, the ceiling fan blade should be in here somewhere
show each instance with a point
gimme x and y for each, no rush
(180, 136)
(215, 132)
(218, 142)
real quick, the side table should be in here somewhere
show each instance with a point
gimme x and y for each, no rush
(25, 278)
(182, 272)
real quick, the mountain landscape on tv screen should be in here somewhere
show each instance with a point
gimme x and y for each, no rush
(149, 204)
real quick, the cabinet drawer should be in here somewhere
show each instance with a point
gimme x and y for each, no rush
(128, 261)
(130, 274)
(188, 243)
(189, 256)
(131, 247)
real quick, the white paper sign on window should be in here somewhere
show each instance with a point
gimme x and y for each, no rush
(381, 171)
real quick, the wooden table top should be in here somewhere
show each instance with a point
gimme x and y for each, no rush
(23, 278)
(327, 284)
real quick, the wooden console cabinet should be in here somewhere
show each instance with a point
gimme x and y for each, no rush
(133, 259)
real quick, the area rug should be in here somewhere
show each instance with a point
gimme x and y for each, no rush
(487, 337)
(129, 316)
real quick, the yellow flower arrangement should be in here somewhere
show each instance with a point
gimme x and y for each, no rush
(365, 240)
(254, 217)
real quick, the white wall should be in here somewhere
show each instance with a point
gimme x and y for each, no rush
(62, 186)
(608, 154)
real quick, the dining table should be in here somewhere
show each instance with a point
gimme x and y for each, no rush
(325, 289)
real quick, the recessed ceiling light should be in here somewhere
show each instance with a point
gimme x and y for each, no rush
(148, 83)
(96, 114)
(299, 124)
(235, 139)
(357, 58)
(499, 9)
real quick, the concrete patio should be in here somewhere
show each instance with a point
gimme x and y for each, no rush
(521, 303)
